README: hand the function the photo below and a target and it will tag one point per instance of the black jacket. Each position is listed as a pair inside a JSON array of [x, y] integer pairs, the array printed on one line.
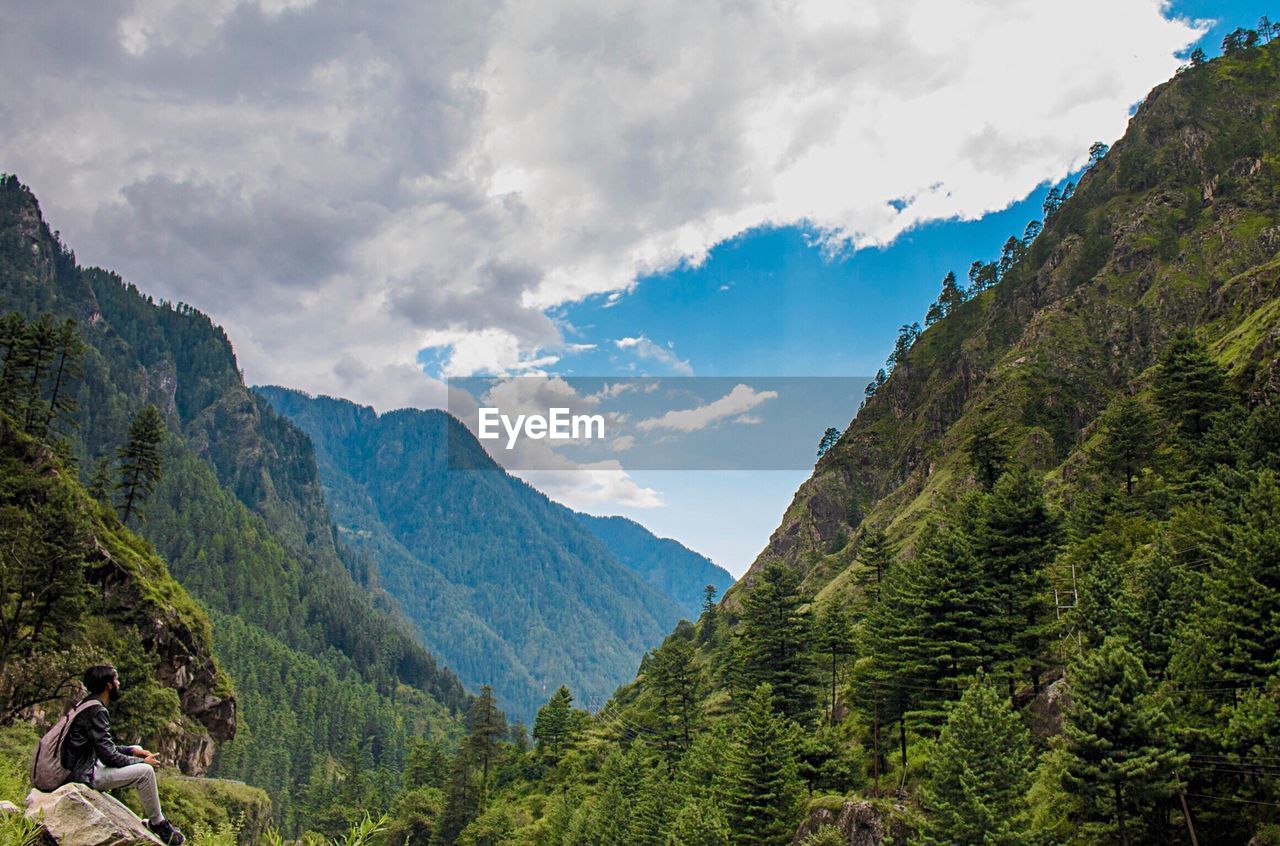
[[89, 740]]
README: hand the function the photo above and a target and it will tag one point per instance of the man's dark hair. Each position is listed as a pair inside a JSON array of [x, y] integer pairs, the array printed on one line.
[[98, 677]]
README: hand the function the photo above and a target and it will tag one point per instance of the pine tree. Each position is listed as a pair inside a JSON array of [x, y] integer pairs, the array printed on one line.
[[488, 727], [141, 461], [100, 484], [763, 791], [699, 822], [462, 800], [66, 369], [928, 632], [1120, 759], [554, 723], [833, 632], [1241, 611], [987, 452], [980, 775], [1128, 440], [1190, 385], [674, 679], [876, 556], [773, 630], [1016, 541]]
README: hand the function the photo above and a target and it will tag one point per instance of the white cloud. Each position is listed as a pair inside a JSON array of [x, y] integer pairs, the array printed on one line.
[[740, 399], [645, 348], [342, 187]]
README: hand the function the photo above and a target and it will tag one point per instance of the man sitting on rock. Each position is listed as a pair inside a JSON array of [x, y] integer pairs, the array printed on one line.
[[93, 758]]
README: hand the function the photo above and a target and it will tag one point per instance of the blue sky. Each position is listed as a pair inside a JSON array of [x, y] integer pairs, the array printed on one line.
[[770, 302], [367, 202]]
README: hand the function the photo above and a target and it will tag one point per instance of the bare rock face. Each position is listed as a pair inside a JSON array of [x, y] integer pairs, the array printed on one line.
[[75, 815], [861, 823]]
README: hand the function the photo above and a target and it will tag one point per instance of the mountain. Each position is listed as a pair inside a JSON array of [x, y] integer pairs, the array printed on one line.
[[1175, 227], [322, 672], [667, 564], [507, 586], [1033, 593]]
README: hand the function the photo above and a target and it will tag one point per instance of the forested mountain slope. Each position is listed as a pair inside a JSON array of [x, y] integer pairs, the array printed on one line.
[[240, 518], [665, 563], [505, 584], [1177, 226], [1033, 595]]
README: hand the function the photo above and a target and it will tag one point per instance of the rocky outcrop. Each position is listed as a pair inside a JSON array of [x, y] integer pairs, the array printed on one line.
[[75, 815], [861, 823]]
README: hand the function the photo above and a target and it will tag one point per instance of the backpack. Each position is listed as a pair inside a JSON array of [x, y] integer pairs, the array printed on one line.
[[47, 771]]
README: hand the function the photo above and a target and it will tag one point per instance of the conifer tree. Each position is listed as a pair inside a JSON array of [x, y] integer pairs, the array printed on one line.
[[773, 631], [763, 790], [1120, 758], [699, 821], [1016, 540], [833, 631], [488, 727], [462, 800], [988, 453], [876, 556], [673, 677], [554, 723], [1129, 440], [100, 484], [140, 461], [981, 767], [1190, 385]]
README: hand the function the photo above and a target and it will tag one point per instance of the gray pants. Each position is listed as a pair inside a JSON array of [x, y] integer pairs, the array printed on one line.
[[140, 776]]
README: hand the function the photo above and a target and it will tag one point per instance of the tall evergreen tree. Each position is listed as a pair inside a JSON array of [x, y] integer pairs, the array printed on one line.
[[773, 630], [699, 821], [554, 723], [833, 632], [981, 766], [1128, 440], [875, 554], [140, 461], [763, 791], [988, 452], [487, 728], [1016, 540], [1120, 758], [1190, 385], [674, 679]]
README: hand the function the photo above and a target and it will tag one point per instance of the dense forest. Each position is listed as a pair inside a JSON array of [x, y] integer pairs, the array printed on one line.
[[509, 587], [143, 404], [1030, 595]]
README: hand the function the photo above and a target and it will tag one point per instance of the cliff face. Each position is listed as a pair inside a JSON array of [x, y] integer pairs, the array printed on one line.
[[1177, 226], [135, 611]]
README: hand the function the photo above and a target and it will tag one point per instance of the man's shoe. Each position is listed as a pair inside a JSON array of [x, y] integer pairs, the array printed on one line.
[[167, 833]]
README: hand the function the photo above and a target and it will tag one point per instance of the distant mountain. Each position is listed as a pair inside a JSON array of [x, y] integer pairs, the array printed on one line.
[[667, 564], [239, 518], [508, 587]]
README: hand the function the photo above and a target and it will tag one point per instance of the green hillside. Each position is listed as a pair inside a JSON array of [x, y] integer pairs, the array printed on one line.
[[240, 519], [503, 583], [1033, 595], [665, 563]]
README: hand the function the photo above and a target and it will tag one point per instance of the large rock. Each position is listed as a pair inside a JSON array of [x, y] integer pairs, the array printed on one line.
[[75, 815], [860, 822]]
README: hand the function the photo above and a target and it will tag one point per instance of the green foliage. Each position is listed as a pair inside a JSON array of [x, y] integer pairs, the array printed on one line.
[[699, 821], [1120, 761], [762, 790], [1190, 385], [773, 628], [980, 773], [140, 462]]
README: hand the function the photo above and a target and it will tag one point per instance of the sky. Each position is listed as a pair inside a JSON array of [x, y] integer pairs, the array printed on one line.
[[374, 197]]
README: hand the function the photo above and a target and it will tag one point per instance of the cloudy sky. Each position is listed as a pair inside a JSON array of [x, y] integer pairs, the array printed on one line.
[[372, 196]]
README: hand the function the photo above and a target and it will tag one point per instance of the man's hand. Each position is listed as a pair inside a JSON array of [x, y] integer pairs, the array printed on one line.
[[147, 757]]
